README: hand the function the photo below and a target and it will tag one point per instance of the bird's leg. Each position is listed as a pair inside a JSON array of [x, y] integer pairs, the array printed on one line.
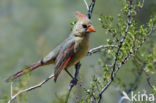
[[69, 74], [75, 79]]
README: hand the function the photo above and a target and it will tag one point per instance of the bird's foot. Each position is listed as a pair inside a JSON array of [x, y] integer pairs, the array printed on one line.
[[73, 82]]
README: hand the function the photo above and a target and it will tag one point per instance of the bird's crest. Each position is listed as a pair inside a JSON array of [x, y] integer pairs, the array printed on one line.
[[79, 15]]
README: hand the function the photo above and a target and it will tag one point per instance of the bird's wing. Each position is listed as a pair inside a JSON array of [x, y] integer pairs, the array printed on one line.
[[50, 58], [64, 57]]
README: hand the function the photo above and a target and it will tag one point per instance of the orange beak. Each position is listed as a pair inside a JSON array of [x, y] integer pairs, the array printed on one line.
[[90, 29]]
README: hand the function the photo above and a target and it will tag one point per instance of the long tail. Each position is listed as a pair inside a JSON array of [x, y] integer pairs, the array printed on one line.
[[24, 71]]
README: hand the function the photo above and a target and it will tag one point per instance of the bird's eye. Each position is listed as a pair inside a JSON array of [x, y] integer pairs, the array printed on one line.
[[84, 26]]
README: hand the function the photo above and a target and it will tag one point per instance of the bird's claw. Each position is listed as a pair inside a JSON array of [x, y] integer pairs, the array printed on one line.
[[73, 82]]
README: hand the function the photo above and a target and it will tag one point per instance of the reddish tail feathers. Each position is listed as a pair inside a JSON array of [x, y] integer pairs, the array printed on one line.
[[24, 71]]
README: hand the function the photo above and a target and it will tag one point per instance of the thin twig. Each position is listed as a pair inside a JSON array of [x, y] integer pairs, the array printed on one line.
[[91, 9], [30, 88], [140, 72], [123, 39], [74, 81], [78, 65], [118, 50], [148, 78], [139, 62], [11, 90], [86, 4], [131, 53], [100, 48], [111, 80]]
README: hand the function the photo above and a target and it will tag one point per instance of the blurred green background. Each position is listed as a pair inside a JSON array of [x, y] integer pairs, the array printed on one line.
[[29, 29]]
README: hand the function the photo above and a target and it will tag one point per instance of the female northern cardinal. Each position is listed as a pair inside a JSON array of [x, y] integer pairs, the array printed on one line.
[[69, 52]]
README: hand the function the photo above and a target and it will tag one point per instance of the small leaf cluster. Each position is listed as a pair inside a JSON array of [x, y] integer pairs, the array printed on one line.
[[129, 36]]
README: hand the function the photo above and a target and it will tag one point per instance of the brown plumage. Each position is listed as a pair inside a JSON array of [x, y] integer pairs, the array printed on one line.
[[69, 52]]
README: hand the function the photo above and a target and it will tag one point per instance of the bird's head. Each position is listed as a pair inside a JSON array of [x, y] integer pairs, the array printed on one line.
[[83, 26]]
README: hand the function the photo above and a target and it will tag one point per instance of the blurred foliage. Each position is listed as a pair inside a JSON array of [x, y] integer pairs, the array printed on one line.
[[29, 29]]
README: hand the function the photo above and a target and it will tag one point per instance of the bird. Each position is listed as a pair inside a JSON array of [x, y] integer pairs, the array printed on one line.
[[67, 53]]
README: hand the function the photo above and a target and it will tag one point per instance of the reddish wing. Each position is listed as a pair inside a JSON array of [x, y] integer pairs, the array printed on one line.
[[63, 59]]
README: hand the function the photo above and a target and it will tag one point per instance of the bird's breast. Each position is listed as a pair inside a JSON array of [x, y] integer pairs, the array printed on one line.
[[81, 49]]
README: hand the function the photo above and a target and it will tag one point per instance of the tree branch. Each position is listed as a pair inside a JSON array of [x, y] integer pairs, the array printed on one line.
[[78, 65], [86, 4], [90, 10], [91, 7], [29, 89], [99, 49], [131, 53], [148, 78], [118, 50], [123, 39], [74, 81]]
